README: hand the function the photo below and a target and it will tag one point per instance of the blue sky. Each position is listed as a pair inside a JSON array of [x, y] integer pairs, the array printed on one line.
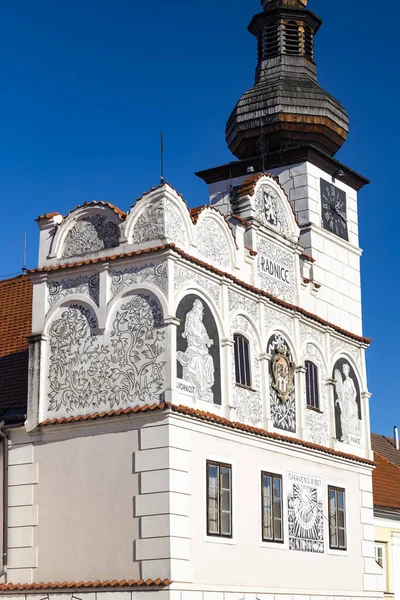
[[87, 85]]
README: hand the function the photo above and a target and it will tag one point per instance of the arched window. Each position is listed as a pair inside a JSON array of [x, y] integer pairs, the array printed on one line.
[[292, 38], [242, 361], [308, 42], [312, 390]]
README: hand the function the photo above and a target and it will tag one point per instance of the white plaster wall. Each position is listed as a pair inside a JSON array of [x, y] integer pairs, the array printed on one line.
[[85, 497], [245, 560]]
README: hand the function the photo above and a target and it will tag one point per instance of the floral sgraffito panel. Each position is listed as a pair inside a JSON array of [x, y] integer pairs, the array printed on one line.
[[125, 367], [91, 234]]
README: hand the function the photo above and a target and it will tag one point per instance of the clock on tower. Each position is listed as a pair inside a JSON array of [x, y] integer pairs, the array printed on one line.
[[333, 209]]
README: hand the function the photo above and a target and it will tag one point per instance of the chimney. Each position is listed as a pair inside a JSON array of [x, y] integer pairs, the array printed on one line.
[[396, 437]]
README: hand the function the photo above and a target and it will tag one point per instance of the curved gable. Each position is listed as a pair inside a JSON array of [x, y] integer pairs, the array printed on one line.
[[159, 216], [272, 207], [89, 228], [214, 239]]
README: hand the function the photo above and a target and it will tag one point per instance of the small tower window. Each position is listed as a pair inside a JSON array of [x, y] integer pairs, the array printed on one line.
[[308, 42], [292, 38], [312, 390], [242, 361]]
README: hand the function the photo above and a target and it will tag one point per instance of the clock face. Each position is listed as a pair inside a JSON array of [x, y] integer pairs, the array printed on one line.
[[333, 207]]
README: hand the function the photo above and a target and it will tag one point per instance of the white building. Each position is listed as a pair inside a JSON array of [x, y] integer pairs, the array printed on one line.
[[198, 423]]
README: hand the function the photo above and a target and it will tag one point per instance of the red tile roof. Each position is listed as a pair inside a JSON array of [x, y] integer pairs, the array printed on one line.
[[201, 263], [125, 583], [122, 215], [15, 326], [386, 484], [384, 446], [210, 418]]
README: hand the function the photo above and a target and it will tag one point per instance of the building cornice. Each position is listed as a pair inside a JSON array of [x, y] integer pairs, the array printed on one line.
[[290, 156], [282, 303], [213, 419]]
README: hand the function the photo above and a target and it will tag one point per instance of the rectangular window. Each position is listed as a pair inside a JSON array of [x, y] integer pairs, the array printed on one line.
[[272, 516], [337, 518], [380, 557], [219, 499], [312, 391], [242, 361]]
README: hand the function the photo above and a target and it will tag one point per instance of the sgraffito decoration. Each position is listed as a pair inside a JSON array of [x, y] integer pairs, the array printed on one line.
[[91, 234], [316, 421], [247, 402], [244, 303], [184, 276], [147, 273], [198, 355], [282, 385], [160, 220], [347, 403], [275, 266], [123, 368], [212, 244], [269, 209], [305, 513], [85, 285]]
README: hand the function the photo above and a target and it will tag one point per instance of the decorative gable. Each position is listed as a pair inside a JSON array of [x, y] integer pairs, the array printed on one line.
[[214, 240], [91, 234], [160, 216]]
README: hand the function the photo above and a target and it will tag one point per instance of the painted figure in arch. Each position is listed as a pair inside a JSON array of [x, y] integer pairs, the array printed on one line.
[[347, 402], [197, 363]]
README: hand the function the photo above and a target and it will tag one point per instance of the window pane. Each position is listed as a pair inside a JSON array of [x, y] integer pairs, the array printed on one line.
[[226, 478], [278, 529], [342, 538], [226, 523], [226, 500]]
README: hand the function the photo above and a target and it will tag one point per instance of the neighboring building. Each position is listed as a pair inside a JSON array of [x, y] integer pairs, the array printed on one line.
[[386, 486], [197, 419]]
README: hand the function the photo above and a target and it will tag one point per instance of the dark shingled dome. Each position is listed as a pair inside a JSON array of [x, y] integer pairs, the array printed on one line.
[[286, 106]]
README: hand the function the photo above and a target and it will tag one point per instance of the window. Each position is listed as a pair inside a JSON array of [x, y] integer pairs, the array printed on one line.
[[312, 391], [337, 518], [242, 361], [271, 498], [380, 557], [292, 38], [219, 499]]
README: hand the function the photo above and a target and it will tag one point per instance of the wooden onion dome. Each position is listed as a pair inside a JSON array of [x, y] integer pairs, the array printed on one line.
[[286, 104]]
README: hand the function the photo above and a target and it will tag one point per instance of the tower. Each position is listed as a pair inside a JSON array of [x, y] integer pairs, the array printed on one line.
[[288, 126]]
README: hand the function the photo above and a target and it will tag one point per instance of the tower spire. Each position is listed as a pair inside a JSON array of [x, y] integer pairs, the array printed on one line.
[[286, 100]]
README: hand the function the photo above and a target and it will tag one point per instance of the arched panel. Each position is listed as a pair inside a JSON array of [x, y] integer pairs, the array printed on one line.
[[247, 399], [316, 421], [282, 384], [121, 368], [347, 398], [198, 349]]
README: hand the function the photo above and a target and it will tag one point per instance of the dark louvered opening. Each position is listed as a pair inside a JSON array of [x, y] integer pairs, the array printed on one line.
[[292, 38], [308, 43], [271, 40]]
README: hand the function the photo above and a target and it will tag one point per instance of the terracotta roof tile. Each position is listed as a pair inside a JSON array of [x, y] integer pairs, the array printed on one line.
[[160, 185], [210, 418], [48, 216], [384, 446], [125, 583], [247, 286], [122, 215], [386, 483], [111, 413], [15, 326]]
